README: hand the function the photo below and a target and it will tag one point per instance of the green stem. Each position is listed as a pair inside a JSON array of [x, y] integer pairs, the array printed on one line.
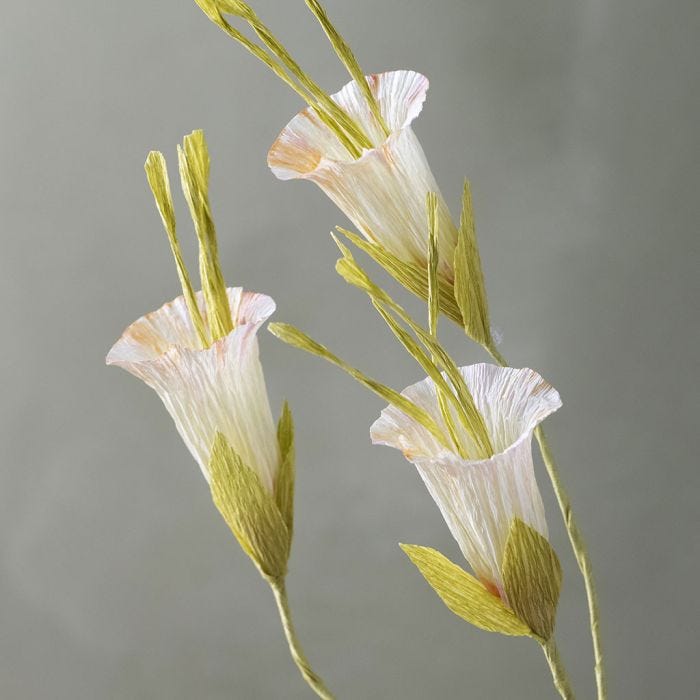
[[314, 681], [577, 544], [561, 680], [582, 559]]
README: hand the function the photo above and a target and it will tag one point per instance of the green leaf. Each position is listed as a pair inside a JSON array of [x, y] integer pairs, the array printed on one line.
[[347, 58], [284, 483], [532, 577], [469, 286], [434, 313], [410, 276], [467, 411], [249, 510], [158, 181], [194, 162], [278, 59], [433, 287], [463, 594], [298, 339]]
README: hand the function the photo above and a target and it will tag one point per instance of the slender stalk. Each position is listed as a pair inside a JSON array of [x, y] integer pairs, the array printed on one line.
[[582, 559], [578, 546], [314, 681], [561, 680]]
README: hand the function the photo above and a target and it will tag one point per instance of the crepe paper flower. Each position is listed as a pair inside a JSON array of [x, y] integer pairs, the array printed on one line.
[[219, 389], [480, 498], [532, 577], [382, 192], [510, 402], [491, 505], [200, 354], [359, 147]]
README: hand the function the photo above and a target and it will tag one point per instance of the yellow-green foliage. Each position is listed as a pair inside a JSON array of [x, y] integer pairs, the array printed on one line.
[[532, 578], [464, 595], [249, 510], [278, 59]]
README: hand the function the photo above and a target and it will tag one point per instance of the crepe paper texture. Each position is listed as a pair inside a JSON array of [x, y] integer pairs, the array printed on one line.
[[275, 56], [193, 160], [261, 521], [200, 354], [480, 498], [359, 147], [382, 191], [469, 286], [429, 354], [157, 175], [250, 510], [284, 483], [219, 389], [583, 561], [298, 339], [469, 599], [433, 315], [347, 58], [464, 595], [532, 578]]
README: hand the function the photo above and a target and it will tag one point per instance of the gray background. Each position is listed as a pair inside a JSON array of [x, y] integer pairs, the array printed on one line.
[[577, 123]]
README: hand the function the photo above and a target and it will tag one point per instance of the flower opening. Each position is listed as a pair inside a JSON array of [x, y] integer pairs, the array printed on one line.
[[220, 388], [383, 191], [200, 351], [480, 498]]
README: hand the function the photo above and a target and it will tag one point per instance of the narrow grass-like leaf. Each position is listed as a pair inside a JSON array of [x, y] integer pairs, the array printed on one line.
[[469, 286], [410, 276], [464, 595], [193, 158], [293, 336], [532, 577], [433, 260], [434, 311], [431, 370], [214, 8], [284, 481], [472, 420], [159, 182], [347, 58], [348, 131]]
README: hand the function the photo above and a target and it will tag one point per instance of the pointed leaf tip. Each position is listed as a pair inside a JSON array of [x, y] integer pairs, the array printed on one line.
[[463, 594], [249, 510], [532, 577], [284, 481], [469, 284]]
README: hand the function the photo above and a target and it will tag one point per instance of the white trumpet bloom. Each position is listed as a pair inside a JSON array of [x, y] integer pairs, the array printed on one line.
[[383, 192], [208, 390], [480, 498]]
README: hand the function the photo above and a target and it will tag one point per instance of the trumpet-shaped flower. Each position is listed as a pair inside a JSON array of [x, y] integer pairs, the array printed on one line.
[[480, 498], [383, 191], [208, 390]]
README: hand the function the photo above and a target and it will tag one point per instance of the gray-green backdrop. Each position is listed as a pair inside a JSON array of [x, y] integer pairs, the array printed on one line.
[[577, 124]]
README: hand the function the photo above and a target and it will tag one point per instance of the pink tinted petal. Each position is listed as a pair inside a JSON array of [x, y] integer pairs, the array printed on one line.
[[217, 389], [384, 191], [480, 498]]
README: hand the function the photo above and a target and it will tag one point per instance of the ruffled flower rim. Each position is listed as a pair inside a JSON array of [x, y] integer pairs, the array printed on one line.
[[546, 393], [144, 343], [398, 113]]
